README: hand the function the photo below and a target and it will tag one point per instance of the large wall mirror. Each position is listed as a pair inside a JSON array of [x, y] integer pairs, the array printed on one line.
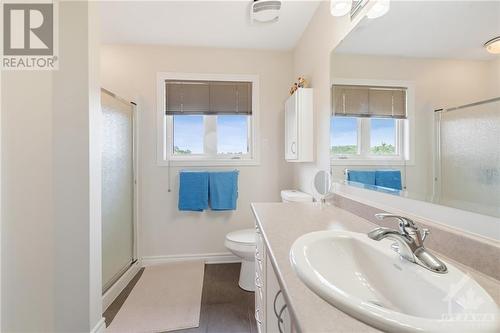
[[416, 110]]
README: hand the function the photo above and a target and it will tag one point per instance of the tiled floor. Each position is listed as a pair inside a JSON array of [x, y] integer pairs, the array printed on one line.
[[225, 307]]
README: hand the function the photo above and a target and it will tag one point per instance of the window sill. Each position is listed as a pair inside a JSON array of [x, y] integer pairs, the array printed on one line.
[[207, 163], [381, 162]]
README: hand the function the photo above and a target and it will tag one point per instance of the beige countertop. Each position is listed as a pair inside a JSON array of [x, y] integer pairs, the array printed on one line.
[[281, 224]]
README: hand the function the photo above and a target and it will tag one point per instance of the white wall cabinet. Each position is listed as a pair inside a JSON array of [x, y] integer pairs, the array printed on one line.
[[271, 310], [299, 138]]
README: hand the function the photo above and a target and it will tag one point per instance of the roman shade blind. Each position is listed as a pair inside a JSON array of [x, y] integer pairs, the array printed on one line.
[[208, 97], [369, 101]]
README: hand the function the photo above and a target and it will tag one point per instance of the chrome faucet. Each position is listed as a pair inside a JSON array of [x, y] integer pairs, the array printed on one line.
[[409, 242]]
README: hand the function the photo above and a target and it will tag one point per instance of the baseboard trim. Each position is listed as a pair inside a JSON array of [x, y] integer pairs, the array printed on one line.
[[208, 258], [100, 327], [112, 293]]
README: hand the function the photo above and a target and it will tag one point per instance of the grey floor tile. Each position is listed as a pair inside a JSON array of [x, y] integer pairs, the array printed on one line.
[[225, 307]]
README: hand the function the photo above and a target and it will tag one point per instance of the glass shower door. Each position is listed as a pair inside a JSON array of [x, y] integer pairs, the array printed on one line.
[[117, 187], [469, 158]]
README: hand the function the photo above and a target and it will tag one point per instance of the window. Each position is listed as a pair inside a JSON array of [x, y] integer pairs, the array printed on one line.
[[207, 119], [188, 135], [368, 124], [232, 135]]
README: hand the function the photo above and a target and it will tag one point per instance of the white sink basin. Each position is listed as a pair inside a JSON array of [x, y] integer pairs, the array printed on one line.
[[369, 281]]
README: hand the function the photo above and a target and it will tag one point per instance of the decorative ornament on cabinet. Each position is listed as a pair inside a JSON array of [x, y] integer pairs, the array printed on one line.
[[301, 83]]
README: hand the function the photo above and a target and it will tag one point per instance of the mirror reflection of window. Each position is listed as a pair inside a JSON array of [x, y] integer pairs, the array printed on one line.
[[383, 136], [344, 136], [367, 123]]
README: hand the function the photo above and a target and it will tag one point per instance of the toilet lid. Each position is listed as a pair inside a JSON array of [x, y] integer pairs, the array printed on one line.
[[246, 236]]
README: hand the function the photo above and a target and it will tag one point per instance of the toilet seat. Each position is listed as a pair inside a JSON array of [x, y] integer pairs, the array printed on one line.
[[242, 237]]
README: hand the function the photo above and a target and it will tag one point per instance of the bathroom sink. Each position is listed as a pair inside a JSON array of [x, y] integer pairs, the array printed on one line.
[[369, 281]]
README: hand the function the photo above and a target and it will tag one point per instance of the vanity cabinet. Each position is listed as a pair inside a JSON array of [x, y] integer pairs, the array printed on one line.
[[299, 138], [271, 310]]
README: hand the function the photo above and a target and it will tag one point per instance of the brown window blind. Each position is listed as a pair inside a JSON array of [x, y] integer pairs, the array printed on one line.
[[208, 97], [369, 101]]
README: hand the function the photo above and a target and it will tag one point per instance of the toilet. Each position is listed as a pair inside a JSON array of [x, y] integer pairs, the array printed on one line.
[[295, 196], [242, 243]]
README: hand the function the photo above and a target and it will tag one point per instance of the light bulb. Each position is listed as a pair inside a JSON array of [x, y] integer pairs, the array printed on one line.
[[340, 7], [493, 45], [380, 8]]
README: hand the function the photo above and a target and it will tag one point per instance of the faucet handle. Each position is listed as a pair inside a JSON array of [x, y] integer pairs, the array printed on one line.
[[424, 232], [404, 222]]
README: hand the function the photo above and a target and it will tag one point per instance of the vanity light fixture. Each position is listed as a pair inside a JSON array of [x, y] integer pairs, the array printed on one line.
[[340, 7], [493, 45], [380, 8]]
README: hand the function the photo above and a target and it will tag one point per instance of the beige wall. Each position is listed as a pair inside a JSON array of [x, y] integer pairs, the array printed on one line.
[[439, 83], [27, 225], [495, 76], [130, 71], [50, 257], [311, 58]]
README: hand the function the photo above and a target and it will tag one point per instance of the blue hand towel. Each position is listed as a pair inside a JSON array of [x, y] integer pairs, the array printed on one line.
[[361, 176], [193, 190], [388, 178], [223, 190]]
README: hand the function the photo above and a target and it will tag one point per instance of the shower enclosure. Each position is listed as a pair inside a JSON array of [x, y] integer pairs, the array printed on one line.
[[118, 187], [467, 157]]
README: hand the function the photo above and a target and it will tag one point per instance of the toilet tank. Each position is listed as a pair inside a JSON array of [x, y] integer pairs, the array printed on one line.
[[295, 196]]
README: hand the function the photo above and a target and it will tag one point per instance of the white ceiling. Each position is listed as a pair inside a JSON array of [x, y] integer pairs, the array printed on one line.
[[202, 23], [429, 29]]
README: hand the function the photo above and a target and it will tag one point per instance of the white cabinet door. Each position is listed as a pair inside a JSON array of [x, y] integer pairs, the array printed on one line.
[[277, 316], [271, 311], [291, 128], [260, 286], [299, 131]]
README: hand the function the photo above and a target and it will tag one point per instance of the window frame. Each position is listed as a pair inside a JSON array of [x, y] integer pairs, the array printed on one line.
[[165, 155], [405, 130]]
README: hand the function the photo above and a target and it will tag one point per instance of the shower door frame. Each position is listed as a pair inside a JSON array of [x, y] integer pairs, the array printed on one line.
[[436, 183], [438, 113], [135, 205]]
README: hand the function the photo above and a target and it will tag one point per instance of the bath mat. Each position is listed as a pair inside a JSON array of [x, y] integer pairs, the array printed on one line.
[[167, 297]]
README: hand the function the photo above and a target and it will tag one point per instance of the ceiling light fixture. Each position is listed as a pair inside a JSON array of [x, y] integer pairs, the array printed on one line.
[[380, 8], [340, 7], [493, 45]]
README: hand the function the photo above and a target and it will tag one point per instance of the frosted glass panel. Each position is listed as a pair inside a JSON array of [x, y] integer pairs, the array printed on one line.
[[470, 158], [117, 188]]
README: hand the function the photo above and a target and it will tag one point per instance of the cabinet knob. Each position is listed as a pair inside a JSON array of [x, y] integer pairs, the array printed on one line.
[[257, 256], [292, 148], [257, 282], [257, 316]]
